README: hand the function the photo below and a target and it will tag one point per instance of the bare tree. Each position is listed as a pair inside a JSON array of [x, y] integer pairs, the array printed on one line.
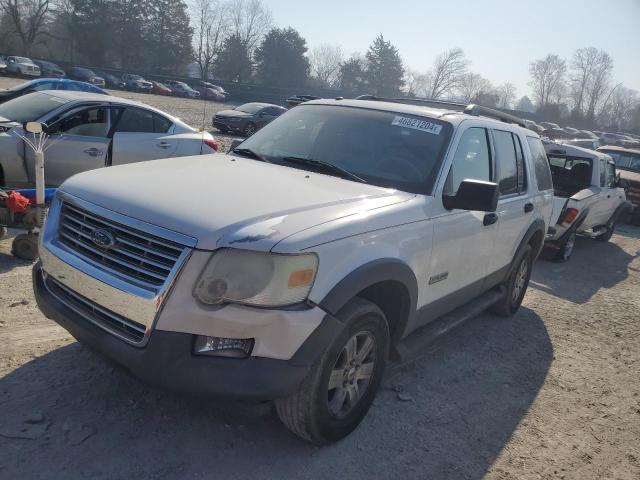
[[599, 81], [547, 76], [28, 18], [325, 63], [506, 95], [582, 64], [471, 85], [448, 72], [617, 112], [250, 20], [212, 25], [417, 84]]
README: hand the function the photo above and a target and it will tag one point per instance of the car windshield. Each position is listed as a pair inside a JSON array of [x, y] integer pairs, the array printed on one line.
[[626, 161], [23, 60], [382, 148], [29, 107], [250, 108]]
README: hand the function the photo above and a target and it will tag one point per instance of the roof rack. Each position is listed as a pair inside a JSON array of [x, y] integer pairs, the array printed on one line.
[[471, 109]]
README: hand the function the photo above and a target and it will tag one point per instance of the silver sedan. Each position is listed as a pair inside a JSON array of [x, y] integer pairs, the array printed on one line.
[[90, 131]]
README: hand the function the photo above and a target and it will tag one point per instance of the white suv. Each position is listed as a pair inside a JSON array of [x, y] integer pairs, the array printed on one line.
[[294, 267]]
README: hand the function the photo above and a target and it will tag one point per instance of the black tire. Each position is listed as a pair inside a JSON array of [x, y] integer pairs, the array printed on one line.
[[223, 129], [606, 236], [249, 129], [25, 246], [519, 279], [313, 412], [565, 249]]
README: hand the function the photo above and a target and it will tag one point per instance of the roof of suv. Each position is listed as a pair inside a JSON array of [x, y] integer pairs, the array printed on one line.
[[614, 148], [451, 115]]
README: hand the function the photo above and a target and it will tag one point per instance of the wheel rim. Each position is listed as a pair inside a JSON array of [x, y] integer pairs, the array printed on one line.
[[568, 248], [351, 374], [520, 280]]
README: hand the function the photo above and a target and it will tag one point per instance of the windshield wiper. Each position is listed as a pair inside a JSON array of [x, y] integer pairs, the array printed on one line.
[[247, 152], [326, 167]]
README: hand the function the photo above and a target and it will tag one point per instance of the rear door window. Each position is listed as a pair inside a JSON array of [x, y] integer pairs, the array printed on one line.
[[509, 163], [137, 120]]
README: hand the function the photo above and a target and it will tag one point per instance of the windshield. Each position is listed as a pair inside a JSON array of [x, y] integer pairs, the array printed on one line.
[[29, 108], [23, 60], [250, 108], [383, 148], [626, 161]]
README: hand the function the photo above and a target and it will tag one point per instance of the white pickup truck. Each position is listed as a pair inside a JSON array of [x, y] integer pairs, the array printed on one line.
[[291, 269], [587, 199]]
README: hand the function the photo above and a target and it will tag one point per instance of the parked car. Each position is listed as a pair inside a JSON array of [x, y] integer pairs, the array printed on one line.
[[573, 132], [181, 89], [136, 83], [48, 84], [531, 125], [247, 118], [110, 80], [49, 69], [90, 131], [209, 91], [160, 89], [554, 133], [295, 100], [611, 139], [627, 162], [587, 198], [322, 245], [549, 125], [588, 134], [22, 66], [590, 143], [86, 75]]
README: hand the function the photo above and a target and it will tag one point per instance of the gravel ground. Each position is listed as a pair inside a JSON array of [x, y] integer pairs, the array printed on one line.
[[197, 113], [551, 393]]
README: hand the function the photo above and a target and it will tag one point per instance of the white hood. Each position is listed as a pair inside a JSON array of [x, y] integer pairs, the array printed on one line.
[[228, 201]]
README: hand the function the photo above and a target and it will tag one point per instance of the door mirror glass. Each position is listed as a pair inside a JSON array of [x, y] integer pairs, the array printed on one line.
[[473, 195], [34, 127]]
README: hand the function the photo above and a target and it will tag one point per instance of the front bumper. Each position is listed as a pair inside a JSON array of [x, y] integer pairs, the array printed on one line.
[[167, 359]]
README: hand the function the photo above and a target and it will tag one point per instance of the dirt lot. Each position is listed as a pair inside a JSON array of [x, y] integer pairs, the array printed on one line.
[[550, 393]]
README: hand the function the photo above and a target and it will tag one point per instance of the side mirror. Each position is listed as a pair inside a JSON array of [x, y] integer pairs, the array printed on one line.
[[473, 195], [235, 143], [34, 127]]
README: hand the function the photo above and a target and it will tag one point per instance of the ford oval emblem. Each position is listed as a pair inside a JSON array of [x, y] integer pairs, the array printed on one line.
[[103, 238]]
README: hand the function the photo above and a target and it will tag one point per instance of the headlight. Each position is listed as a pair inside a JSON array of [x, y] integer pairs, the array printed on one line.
[[256, 278]]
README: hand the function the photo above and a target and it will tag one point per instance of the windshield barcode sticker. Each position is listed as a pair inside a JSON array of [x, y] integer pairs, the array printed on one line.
[[417, 124]]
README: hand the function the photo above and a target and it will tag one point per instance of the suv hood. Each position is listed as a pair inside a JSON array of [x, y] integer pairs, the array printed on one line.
[[222, 200]]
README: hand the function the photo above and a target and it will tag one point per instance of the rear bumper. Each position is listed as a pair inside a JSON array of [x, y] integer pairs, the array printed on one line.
[[167, 359]]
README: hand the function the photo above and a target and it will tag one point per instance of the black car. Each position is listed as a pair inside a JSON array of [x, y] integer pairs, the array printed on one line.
[[85, 75], [247, 118], [110, 80], [295, 100], [49, 69]]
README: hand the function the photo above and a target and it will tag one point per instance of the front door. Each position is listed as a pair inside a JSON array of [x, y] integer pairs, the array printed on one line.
[[463, 239], [79, 142]]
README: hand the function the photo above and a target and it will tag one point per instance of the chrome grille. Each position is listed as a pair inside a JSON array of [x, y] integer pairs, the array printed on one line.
[[116, 324], [139, 257]]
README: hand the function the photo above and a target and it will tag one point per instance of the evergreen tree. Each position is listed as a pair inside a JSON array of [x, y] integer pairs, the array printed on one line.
[[280, 58], [234, 62], [168, 35], [353, 76], [385, 73]]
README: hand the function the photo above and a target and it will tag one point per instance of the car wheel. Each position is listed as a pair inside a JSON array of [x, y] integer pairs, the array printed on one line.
[[516, 285], [566, 248], [249, 129], [223, 129], [338, 391], [606, 236], [25, 246]]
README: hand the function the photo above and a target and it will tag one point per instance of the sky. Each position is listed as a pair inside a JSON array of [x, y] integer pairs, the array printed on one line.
[[500, 37]]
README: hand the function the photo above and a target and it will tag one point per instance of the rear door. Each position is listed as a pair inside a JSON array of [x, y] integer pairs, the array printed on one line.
[[515, 208], [79, 142], [141, 135]]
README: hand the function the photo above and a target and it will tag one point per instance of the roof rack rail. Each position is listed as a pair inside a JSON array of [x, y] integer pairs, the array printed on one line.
[[472, 109]]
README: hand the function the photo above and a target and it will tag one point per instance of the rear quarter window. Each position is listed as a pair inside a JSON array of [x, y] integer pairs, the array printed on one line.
[[540, 164]]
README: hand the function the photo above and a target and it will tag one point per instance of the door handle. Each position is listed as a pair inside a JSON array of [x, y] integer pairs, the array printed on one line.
[[490, 219], [164, 144], [528, 207], [94, 152]]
